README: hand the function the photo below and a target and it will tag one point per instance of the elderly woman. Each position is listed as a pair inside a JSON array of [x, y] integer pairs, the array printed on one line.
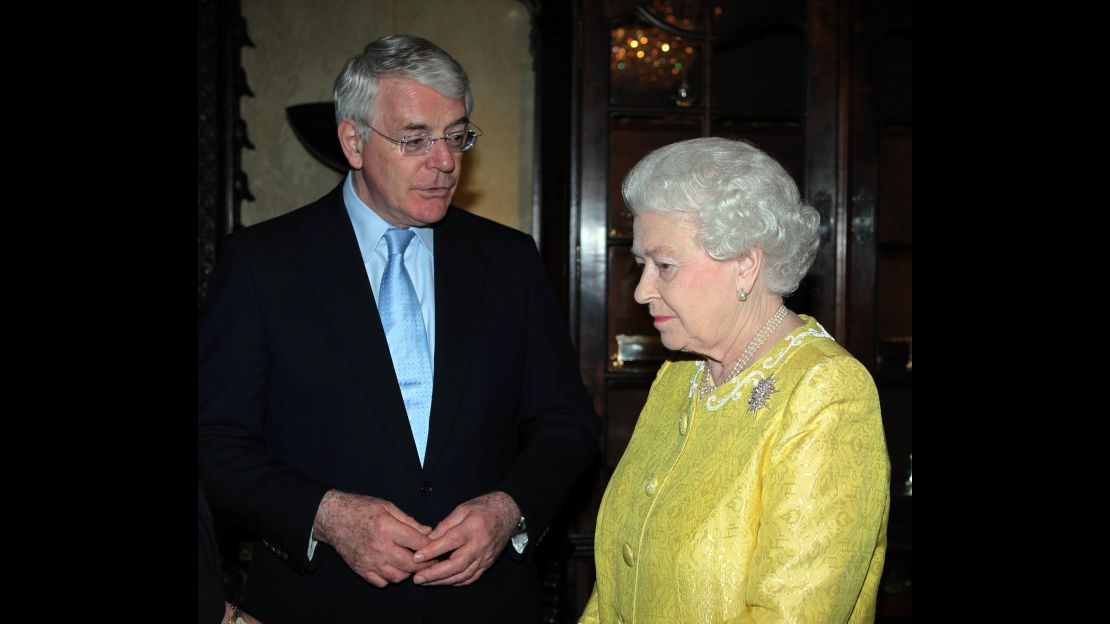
[[755, 487]]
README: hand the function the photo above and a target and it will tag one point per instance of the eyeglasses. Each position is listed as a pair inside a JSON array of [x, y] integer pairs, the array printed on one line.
[[460, 141]]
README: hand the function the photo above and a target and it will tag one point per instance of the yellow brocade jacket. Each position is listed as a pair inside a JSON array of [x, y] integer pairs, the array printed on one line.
[[766, 501]]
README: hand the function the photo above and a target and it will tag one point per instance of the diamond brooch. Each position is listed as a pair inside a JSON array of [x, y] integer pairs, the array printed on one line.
[[761, 393]]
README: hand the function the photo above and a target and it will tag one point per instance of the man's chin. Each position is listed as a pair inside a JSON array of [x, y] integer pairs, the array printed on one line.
[[431, 212]]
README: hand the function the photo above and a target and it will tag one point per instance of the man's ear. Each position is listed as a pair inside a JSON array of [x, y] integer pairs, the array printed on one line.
[[350, 139]]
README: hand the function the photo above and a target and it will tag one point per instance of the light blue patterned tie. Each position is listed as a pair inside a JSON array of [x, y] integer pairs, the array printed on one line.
[[408, 341]]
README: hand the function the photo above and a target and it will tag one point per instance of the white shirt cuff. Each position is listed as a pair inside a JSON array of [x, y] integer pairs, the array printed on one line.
[[519, 542], [311, 545]]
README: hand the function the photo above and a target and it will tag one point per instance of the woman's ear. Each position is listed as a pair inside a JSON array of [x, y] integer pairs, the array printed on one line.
[[749, 265]]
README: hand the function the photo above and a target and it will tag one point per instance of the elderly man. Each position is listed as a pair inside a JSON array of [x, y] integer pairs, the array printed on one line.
[[389, 400]]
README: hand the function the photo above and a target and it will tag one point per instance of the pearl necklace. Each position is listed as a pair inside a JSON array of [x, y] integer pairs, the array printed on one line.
[[745, 359]]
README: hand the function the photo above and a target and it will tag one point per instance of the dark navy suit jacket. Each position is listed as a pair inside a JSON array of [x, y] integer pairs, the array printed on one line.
[[297, 395]]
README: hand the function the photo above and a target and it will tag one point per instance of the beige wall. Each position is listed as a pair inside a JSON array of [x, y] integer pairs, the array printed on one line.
[[301, 46]]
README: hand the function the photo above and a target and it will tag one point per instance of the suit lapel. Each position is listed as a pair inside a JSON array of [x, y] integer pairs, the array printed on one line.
[[334, 267], [460, 272]]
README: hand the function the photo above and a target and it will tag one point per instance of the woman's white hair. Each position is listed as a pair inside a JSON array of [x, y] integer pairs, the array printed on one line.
[[740, 197]]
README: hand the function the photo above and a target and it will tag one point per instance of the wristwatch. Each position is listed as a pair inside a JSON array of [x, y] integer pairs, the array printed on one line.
[[236, 615]]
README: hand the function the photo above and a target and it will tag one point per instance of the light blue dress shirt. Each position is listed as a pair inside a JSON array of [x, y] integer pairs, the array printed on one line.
[[420, 263], [419, 259]]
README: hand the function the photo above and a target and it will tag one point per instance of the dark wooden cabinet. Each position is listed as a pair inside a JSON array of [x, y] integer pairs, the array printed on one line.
[[824, 86]]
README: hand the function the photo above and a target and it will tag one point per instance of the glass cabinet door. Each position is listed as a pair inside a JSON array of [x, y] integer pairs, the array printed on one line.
[[680, 70]]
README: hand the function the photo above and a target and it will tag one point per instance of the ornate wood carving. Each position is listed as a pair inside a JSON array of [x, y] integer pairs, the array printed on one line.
[[221, 134]]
